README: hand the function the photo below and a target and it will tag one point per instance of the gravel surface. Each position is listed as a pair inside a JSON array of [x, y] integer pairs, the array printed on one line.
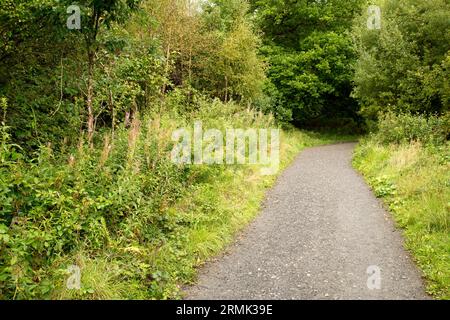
[[319, 231]]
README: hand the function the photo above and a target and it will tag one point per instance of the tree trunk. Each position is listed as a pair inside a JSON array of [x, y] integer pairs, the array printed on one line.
[[90, 95], [226, 89], [166, 71], [91, 50]]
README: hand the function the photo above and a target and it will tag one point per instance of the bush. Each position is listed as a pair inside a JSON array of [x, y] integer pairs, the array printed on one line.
[[104, 202], [342, 125], [92, 199], [400, 128], [404, 66], [413, 181]]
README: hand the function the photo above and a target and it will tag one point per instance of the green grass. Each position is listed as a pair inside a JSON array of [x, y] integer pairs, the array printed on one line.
[[136, 224], [234, 200], [414, 182], [207, 219]]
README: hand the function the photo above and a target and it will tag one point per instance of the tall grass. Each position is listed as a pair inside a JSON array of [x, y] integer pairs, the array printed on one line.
[[135, 223], [412, 175]]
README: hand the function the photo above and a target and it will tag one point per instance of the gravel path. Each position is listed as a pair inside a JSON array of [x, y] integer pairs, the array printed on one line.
[[320, 230]]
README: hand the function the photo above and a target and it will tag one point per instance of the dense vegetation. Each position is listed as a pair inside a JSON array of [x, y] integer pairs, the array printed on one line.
[[86, 118], [404, 66], [402, 84], [407, 164], [310, 53]]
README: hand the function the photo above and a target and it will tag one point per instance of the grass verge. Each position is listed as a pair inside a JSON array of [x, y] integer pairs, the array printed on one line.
[[225, 207], [203, 222], [414, 182]]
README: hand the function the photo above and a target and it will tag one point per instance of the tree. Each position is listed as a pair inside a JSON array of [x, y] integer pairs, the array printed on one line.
[[97, 14], [310, 54], [38, 51], [404, 67], [230, 66]]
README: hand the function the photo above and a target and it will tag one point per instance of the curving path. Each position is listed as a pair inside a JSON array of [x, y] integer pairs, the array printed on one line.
[[320, 230]]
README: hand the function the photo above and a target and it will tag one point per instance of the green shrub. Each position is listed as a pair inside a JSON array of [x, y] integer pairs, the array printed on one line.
[[343, 125], [413, 181], [110, 203], [404, 66], [90, 199], [399, 128]]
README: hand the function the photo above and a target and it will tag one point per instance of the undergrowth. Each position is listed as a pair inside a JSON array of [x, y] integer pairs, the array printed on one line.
[[134, 223], [412, 176]]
